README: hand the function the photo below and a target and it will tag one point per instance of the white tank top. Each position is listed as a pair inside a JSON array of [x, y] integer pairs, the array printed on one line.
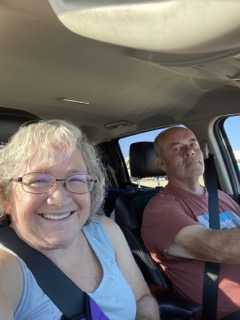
[[113, 295]]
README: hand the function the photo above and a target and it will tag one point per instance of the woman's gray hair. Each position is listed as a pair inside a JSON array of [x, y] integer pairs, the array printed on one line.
[[46, 142]]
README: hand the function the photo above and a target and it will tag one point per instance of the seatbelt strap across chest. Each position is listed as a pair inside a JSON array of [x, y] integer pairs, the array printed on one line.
[[65, 294], [211, 272]]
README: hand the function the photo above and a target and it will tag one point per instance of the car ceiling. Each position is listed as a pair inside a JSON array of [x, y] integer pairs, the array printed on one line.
[[129, 90]]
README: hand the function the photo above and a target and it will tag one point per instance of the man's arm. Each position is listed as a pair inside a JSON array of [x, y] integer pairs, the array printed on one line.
[[200, 243]]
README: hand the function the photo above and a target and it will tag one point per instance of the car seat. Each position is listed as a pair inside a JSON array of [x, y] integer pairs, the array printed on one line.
[[129, 209], [11, 120]]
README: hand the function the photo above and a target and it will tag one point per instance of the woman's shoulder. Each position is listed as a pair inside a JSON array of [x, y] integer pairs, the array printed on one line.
[[102, 222], [11, 278], [108, 222], [107, 227], [9, 263], [110, 226]]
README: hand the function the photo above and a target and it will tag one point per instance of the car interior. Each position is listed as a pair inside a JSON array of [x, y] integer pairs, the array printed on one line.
[[122, 69]]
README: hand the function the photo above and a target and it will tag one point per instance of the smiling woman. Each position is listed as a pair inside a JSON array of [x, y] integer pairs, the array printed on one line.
[[52, 192], [58, 139], [119, 70]]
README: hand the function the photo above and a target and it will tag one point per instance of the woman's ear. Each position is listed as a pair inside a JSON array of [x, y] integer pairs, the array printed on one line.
[[161, 164], [7, 206], [6, 203]]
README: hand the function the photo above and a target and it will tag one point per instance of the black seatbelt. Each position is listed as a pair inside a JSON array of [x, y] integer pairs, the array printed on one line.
[[211, 272], [64, 293]]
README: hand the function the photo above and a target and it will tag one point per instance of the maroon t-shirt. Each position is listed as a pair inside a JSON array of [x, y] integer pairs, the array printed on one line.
[[165, 215]]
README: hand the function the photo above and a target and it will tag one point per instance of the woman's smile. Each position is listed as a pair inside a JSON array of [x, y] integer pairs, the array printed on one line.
[[57, 217]]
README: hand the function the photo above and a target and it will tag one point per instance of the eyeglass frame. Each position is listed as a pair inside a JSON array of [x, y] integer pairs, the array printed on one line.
[[64, 182]]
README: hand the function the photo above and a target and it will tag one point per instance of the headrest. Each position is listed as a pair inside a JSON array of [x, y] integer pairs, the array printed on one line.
[[143, 161], [11, 120]]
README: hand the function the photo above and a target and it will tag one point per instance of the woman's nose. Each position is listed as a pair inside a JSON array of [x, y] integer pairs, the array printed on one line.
[[58, 195]]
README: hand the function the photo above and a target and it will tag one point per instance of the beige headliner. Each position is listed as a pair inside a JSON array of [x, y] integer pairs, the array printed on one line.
[[42, 61]]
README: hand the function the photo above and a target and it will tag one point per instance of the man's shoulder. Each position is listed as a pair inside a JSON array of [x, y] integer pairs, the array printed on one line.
[[165, 196], [223, 196]]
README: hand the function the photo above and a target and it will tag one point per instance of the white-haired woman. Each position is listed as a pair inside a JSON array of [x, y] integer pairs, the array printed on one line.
[[52, 185]]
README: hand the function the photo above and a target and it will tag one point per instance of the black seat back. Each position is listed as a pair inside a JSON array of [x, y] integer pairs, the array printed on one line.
[[129, 208], [11, 120], [128, 215]]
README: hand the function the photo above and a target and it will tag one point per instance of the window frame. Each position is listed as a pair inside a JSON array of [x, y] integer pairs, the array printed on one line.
[[227, 154]]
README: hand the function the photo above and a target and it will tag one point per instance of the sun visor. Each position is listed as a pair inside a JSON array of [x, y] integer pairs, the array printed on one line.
[[185, 27]]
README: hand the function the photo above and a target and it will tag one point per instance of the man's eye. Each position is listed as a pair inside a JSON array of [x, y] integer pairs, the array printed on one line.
[[195, 145], [177, 149]]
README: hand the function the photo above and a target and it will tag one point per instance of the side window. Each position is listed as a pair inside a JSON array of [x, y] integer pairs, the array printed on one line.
[[125, 146], [231, 130]]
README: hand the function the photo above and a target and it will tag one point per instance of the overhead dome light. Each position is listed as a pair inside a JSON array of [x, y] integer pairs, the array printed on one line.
[[73, 101], [119, 124], [175, 26]]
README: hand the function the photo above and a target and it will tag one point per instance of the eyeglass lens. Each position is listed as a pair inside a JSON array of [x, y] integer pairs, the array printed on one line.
[[40, 182]]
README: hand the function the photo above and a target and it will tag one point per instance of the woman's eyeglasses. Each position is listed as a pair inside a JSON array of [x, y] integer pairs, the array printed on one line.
[[36, 182]]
